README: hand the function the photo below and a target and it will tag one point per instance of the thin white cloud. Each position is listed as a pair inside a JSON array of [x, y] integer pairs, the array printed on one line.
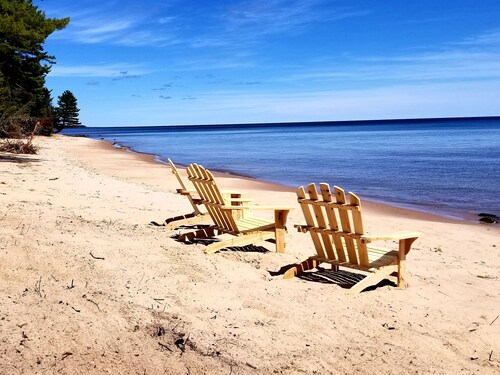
[[489, 38], [112, 22], [239, 25], [245, 23], [456, 62], [274, 16], [114, 71], [440, 67]]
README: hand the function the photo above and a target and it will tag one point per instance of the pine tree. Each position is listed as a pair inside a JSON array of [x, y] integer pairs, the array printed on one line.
[[66, 111], [23, 62]]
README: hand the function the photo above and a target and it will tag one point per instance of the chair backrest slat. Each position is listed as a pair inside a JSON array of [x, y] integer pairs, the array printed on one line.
[[319, 214], [358, 229], [333, 221], [346, 225], [308, 216]]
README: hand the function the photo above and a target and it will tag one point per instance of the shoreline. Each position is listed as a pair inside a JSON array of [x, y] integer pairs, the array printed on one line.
[[378, 205]]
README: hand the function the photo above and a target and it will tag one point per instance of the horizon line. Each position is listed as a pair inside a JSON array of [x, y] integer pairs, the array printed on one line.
[[314, 123]]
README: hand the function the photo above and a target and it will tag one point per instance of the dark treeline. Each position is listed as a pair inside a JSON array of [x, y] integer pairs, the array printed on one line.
[[24, 99]]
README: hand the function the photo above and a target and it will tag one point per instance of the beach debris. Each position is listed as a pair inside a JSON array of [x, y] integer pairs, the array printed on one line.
[[159, 331], [486, 277], [181, 343], [91, 301], [24, 339], [488, 218], [38, 287], [251, 366], [385, 325], [494, 320], [65, 355], [19, 146], [162, 345], [93, 256]]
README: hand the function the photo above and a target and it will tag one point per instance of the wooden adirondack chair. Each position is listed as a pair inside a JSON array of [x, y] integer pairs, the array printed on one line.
[[247, 229], [195, 217], [336, 229]]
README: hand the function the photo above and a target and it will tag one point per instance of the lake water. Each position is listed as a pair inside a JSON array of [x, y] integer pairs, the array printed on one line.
[[449, 167]]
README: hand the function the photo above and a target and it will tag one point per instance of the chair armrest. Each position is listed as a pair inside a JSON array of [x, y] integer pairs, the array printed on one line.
[[403, 235], [241, 199], [268, 208], [185, 192]]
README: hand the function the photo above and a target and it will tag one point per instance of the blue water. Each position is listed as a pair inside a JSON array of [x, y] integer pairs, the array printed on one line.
[[449, 167]]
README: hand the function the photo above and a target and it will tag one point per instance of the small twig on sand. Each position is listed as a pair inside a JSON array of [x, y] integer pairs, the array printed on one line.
[[165, 346], [65, 355], [491, 355], [38, 287], [95, 303], [494, 320], [173, 329], [75, 309], [93, 256], [251, 366]]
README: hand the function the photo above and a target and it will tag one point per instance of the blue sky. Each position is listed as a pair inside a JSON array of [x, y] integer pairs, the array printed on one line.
[[171, 62]]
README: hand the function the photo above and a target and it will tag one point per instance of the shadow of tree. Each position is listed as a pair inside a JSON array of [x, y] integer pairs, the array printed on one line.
[[15, 158]]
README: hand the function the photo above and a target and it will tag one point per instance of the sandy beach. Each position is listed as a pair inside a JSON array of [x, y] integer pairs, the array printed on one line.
[[89, 285]]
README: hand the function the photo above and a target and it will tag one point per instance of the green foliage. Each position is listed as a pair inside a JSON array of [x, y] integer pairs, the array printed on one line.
[[66, 111], [23, 61]]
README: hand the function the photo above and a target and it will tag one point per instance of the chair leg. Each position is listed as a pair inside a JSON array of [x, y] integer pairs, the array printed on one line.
[[404, 248], [372, 279], [245, 239], [280, 229], [298, 268]]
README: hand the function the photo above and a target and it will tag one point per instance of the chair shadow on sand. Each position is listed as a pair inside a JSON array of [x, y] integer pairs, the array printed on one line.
[[342, 278], [210, 240]]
